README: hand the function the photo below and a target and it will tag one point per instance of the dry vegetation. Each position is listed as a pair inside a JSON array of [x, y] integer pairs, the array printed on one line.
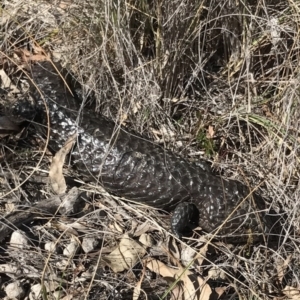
[[215, 80]]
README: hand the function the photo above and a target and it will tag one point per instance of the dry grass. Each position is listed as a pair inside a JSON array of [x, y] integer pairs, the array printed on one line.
[[217, 80]]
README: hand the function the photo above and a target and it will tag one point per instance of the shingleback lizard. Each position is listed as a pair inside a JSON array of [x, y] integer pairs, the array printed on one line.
[[128, 165]]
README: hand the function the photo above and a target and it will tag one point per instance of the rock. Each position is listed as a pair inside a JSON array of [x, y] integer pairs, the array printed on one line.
[[72, 248], [35, 292], [15, 290], [18, 240], [53, 247], [89, 244]]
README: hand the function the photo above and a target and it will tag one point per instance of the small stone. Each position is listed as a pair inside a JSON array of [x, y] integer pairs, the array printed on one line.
[[71, 249], [62, 264], [52, 247], [15, 290], [18, 240], [35, 292], [89, 244]]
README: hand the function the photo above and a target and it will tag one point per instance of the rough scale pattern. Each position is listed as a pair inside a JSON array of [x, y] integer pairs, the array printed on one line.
[[130, 166]]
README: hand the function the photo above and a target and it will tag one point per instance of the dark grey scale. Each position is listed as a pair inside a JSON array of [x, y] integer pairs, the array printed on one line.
[[130, 166]]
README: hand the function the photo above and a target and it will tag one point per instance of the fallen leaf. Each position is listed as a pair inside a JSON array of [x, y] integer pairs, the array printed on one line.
[[216, 273], [281, 267], [117, 227], [220, 290], [210, 132], [9, 207], [137, 290], [57, 178], [125, 256], [64, 4], [188, 254], [68, 297], [6, 82], [174, 250], [189, 286], [65, 228], [28, 56], [142, 228], [195, 287], [291, 292], [146, 240], [123, 118], [136, 107]]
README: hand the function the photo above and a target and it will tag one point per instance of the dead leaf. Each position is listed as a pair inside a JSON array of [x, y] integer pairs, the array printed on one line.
[[68, 297], [291, 292], [136, 291], [123, 118], [216, 273], [9, 207], [188, 254], [210, 132], [163, 134], [174, 250], [117, 227], [160, 268], [189, 285], [220, 290], [146, 240], [125, 256], [281, 267], [136, 107], [65, 228], [195, 287], [6, 83], [57, 178], [28, 56], [142, 228], [64, 4]]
